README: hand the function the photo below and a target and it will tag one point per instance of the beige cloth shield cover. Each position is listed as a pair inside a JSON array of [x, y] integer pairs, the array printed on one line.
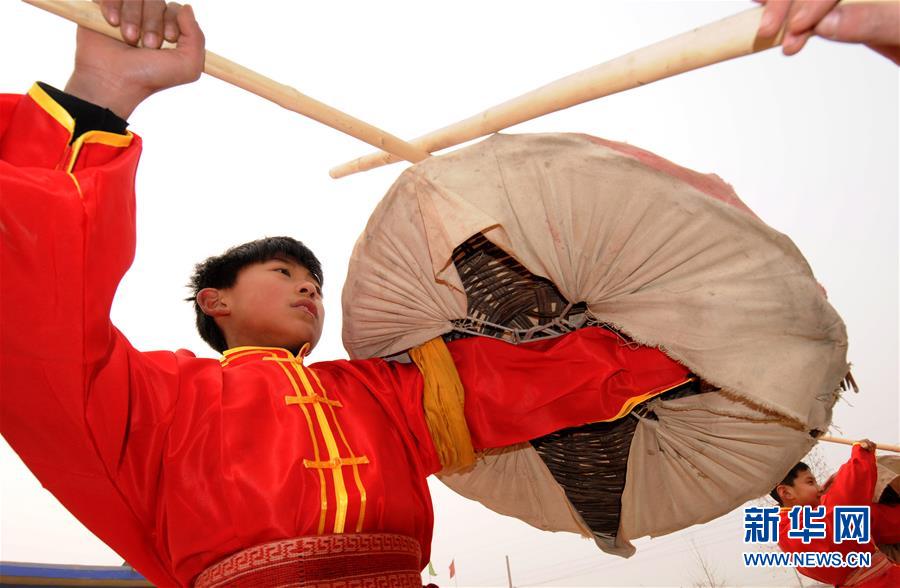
[[701, 459], [669, 256]]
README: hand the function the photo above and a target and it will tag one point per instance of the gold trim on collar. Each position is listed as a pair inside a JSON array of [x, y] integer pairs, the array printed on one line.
[[271, 353], [233, 350]]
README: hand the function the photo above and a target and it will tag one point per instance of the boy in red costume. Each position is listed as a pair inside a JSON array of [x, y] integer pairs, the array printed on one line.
[[852, 485], [176, 461]]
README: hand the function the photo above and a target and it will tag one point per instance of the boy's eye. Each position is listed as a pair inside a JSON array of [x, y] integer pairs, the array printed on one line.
[[283, 270]]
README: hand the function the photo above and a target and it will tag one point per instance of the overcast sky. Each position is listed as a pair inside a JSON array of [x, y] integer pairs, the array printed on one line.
[[810, 143]]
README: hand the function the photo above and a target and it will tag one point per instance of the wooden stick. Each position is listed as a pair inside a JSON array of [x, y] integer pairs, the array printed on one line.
[[842, 441], [726, 39], [88, 15]]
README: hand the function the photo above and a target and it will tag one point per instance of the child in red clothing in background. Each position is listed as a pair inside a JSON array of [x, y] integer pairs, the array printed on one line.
[[852, 485]]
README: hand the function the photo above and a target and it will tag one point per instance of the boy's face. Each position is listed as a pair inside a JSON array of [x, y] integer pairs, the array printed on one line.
[[804, 491], [275, 303]]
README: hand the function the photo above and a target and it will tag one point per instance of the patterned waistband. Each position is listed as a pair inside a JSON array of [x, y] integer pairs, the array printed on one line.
[[322, 561]]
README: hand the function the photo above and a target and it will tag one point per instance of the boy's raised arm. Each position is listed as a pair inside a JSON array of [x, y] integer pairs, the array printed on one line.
[[84, 410], [854, 482]]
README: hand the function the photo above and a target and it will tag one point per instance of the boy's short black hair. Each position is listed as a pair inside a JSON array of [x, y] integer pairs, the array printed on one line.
[[789, 480], [221, 271]]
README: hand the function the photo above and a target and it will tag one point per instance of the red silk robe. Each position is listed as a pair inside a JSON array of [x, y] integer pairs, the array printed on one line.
[[853, 485], [177, 461]]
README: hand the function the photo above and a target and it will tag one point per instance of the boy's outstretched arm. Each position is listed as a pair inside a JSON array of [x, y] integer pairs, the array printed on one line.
[[86, 412]]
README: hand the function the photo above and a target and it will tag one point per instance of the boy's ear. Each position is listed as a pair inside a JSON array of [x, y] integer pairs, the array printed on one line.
[[212, 302], [784, 492]]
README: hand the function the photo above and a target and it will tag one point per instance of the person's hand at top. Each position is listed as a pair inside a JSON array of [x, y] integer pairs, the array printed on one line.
[[120, 76], [875, 24]]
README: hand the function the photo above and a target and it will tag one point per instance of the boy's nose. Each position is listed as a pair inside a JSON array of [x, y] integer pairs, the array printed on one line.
[[307, 288]]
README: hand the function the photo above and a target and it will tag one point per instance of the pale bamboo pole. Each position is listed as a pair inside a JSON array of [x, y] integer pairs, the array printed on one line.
[[842, 441], [726, 39], [88, 15]]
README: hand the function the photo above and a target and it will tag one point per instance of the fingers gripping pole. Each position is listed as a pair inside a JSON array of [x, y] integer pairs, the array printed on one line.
[[88, 15]]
